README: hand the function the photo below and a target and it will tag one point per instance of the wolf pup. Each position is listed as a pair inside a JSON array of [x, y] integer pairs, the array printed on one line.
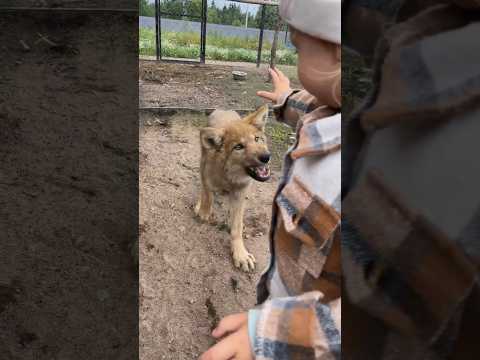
[[234, 150]]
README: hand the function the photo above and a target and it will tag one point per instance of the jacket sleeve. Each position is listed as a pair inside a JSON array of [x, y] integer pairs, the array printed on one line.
[[300, 327], [292, 105]]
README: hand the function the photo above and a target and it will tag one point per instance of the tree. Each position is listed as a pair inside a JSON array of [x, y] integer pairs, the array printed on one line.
[[194, 8], [174, 8], [213, 15], [271, 16], [146, 8], [252, 21]]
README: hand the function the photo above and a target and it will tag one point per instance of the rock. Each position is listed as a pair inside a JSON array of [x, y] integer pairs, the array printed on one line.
[[103, 295]]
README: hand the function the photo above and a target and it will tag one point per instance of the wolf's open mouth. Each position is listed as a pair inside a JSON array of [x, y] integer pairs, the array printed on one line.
[[259, 173]]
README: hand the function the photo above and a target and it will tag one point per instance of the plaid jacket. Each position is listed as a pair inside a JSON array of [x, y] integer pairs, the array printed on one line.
[[410, 229], [301, 320]]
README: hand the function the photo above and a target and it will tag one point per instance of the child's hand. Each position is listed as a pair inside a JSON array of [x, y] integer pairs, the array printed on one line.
[[236, 344], [281, 84]]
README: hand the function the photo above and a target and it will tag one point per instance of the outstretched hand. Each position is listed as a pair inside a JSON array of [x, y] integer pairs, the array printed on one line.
[[281, 84], [236, 343]]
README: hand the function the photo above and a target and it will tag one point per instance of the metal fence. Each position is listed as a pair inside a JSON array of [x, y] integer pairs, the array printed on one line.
[[226, 30], [162, 16]]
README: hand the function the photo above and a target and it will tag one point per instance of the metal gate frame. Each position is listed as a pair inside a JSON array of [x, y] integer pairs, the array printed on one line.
[[203, 33], [203, 29], [262, 3]]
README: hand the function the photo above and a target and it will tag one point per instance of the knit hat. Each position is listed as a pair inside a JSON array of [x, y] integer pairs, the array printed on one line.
[[318, 18]]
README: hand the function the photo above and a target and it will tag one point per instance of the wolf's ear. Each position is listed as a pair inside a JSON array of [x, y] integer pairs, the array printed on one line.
[[258, 118], [211, 138]]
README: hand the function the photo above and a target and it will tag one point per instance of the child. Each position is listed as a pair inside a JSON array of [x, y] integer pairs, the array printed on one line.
[[299, 295]]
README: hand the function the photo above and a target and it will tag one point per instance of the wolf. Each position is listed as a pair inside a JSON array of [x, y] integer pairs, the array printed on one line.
[[234, 151]]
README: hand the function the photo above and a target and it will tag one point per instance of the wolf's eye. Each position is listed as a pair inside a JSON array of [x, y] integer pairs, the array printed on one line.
[[238, 147], [257, 138]]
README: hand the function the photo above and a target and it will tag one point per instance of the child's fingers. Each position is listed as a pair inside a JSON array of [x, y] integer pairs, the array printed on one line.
[[267, 95], [279, 74], [282, 76], [224, 350], [274, 76], [279, 77], [229, 324]]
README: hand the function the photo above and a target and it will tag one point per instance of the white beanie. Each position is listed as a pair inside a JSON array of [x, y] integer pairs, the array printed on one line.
[[318, 18]]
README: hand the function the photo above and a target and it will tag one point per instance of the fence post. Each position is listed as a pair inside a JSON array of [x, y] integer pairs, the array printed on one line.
[[273, 52], [260, 40], [203, 32], [157, 32]]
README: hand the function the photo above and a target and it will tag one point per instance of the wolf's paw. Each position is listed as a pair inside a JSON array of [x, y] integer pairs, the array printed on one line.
[[243, 259], [203, 215], [196, 209]]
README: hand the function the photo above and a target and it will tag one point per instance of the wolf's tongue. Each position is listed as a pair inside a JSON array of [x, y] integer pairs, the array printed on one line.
[[262, 171]]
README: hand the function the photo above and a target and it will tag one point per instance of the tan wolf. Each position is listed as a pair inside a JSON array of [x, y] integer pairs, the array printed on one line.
[[234, 150]]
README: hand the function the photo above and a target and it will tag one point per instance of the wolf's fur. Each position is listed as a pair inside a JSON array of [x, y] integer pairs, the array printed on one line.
[[223, 168]]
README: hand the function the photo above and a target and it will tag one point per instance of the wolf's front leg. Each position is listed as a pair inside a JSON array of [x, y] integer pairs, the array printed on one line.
[[241, 257], [204, 204]]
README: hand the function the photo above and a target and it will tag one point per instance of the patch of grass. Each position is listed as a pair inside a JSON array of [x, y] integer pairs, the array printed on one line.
[[279, 133], [279, 141], [219, 47]]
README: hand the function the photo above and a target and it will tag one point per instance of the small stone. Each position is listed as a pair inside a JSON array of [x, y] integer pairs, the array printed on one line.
[[103, 295]]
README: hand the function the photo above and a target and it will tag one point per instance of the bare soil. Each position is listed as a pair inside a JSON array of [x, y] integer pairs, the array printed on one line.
[[187, 278], [68, 286], [204, 86]]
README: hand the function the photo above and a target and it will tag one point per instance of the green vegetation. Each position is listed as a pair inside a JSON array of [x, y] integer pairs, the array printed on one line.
[[279, 140], [227, 15], [187, 45]]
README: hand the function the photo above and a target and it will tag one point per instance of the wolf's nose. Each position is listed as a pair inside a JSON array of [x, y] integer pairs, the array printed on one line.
[[264, 158]]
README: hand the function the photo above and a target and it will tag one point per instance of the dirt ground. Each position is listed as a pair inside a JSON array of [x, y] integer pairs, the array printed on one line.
[[68, 148], [187, 279], [204, 86]]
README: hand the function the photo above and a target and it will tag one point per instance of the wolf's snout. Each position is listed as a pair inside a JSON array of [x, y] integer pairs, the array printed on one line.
[[264, 158]]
